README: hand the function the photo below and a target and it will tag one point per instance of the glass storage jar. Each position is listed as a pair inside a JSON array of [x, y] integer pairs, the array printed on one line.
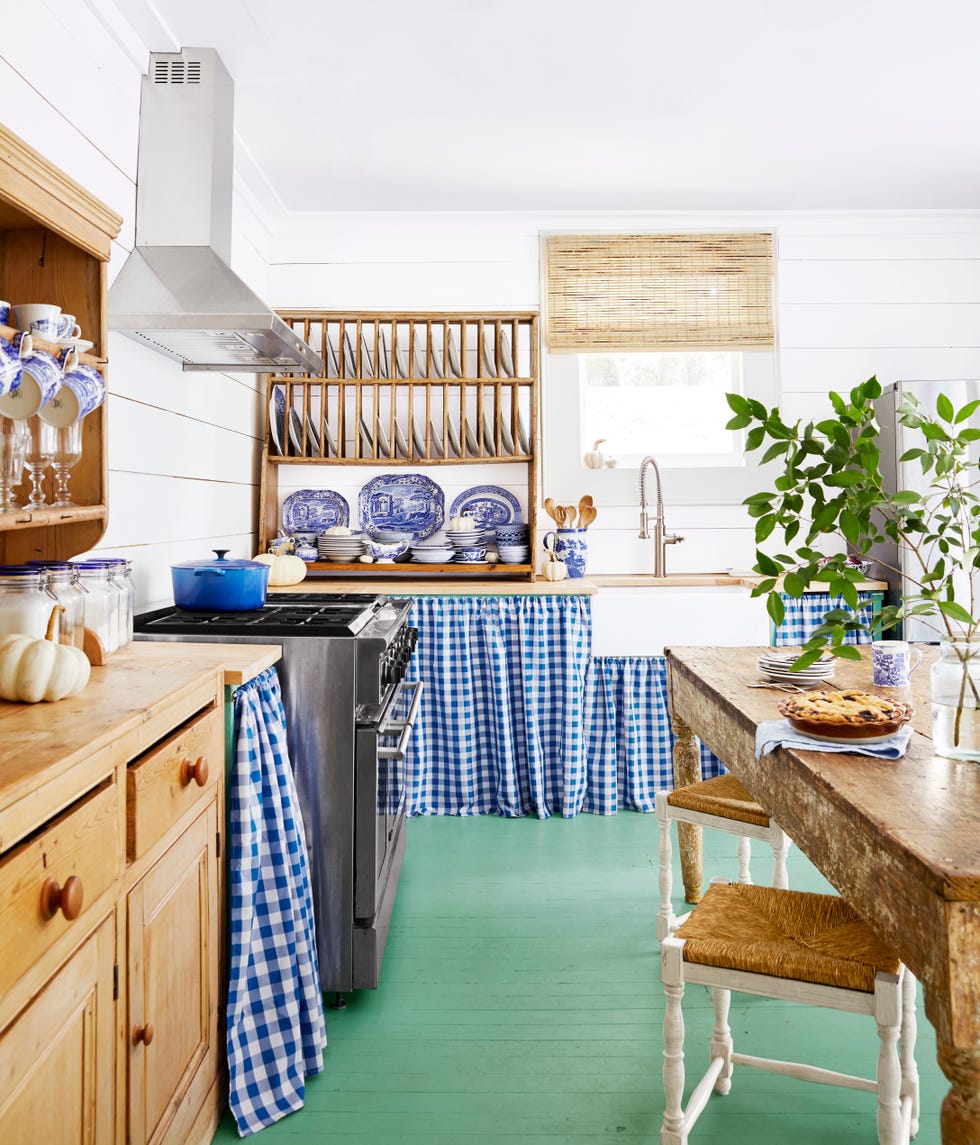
[[25, 602], [61, 580], [102, 602], [120, 577], [954, 688]]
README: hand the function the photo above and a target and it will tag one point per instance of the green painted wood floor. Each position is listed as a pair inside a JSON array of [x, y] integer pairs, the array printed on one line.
[[520, 1005]]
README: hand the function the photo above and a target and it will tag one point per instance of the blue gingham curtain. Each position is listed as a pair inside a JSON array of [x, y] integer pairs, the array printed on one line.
[[630, 742], [805, 613], [501, 728], [275, 1025]]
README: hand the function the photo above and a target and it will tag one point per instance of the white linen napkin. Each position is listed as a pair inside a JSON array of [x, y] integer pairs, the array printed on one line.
[[771, 733]]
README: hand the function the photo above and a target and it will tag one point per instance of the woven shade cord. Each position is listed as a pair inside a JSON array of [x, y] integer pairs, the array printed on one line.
[[785, 934], [723, 796], [658, 292]]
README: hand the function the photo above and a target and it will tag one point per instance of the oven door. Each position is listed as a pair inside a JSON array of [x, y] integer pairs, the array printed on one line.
[[379, 797]]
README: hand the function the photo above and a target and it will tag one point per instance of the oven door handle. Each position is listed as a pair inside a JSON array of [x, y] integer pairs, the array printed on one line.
[[404, 726]]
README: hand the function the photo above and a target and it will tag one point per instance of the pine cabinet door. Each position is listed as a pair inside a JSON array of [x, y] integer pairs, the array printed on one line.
[[56, 1057], [174, 986]]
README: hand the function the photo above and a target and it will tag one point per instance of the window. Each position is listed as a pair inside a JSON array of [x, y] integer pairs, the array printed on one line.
[[669, 404]]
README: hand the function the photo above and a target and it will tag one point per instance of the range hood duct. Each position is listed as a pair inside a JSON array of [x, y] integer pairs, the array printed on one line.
[[177, 292]]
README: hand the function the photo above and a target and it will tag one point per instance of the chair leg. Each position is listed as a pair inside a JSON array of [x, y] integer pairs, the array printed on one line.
[[721, 1038], [780, 849], [906, 1050], [672, 975], [666, 921], [744, 858], [888, 1017]]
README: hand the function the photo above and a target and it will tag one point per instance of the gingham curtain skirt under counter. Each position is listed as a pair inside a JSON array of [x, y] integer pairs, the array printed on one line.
[[519, 719], [805, 613]]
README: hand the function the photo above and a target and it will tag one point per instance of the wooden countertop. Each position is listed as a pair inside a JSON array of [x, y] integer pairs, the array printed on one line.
[[475, 587], [702, 580], [52, 752]]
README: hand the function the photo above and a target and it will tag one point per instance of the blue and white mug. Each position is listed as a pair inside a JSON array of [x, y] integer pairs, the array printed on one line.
[[40, 381], [893, 662], [4, 313], [39, 319], [83, 389], [11, 367], [571, 548]]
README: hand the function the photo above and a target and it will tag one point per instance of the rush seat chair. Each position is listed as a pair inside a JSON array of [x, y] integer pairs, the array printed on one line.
[[723, 804], [798, 947]]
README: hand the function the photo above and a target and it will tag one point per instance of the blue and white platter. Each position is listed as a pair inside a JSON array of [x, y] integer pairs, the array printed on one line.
[[489, 504], [410, 503], [314, 511]]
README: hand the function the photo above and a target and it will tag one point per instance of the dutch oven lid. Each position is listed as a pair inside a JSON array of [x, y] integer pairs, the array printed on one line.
[[221, 562]]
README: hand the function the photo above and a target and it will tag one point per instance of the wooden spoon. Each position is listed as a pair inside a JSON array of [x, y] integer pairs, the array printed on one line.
[[570, 516], [584, 503], [559, 516], [587, 516], [549, 508]]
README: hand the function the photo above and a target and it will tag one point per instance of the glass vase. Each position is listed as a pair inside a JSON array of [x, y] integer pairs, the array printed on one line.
[[954, 686]]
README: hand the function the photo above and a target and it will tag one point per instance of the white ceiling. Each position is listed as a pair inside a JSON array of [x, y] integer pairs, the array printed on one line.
[[525, 105]]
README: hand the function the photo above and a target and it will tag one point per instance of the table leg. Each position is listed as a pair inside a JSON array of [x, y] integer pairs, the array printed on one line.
[[687, 769], [960, 1115]]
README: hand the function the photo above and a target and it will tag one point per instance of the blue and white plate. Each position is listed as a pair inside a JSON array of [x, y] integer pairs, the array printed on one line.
[[410, 502], [489, 505], [314, 511], [277, 420]]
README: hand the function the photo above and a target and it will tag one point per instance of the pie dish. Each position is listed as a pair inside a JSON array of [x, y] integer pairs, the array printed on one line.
[[848, 716]]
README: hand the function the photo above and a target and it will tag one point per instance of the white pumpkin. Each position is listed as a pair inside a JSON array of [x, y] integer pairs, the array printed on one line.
[[284, 567], [338, 531], [461, 523], [32, 670], [554, 569], [594, 459]]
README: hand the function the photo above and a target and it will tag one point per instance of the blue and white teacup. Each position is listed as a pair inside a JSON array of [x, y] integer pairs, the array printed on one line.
[[40, 381], [471, 556], [68, 327], [570, 547], [83, 389], [11, 367], [4, 313], [893, 662], [39, 319]]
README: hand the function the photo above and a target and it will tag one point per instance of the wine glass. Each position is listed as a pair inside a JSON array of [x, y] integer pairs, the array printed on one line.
[[40, 451], [14, 437], [67, 451]]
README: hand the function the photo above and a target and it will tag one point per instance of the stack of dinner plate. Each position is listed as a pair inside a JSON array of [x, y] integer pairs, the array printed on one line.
[[434, 551], [336, 547], [775, 666]]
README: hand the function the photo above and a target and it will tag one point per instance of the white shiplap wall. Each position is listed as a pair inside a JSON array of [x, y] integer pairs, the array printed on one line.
[[857, 294], [183, 448]]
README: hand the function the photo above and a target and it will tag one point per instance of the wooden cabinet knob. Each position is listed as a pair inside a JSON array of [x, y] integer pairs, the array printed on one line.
[[142, 1034], [196, 772], [67, 898]]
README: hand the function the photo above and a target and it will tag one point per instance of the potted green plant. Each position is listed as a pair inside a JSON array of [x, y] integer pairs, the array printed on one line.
[[830, 486]]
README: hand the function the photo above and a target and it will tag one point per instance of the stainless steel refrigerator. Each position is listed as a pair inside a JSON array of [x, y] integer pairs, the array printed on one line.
[[894, 440]]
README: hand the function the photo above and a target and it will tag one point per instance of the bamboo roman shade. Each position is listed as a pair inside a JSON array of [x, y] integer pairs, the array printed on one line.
[[658, 292]]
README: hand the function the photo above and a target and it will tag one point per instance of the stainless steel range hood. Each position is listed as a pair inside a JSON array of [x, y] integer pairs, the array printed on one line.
[[177, 292]]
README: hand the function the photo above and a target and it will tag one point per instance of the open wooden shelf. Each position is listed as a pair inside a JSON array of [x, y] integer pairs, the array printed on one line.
[[407, 389], [419, 569]]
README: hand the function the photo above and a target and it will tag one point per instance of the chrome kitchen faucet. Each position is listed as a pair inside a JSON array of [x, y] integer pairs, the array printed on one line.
[[661, 538]]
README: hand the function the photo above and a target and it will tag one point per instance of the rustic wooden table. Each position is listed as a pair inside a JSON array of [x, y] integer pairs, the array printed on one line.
[[900, 840]]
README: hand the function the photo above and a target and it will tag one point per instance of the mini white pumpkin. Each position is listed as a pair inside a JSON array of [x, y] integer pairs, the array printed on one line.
[[594, 459], [554, 569], [461, 523], [284, 567], [32, 670], [338, 531]]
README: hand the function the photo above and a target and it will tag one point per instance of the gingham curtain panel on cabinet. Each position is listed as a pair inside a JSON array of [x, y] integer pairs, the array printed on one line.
[[630, 742], [501, 728], [275, 1025], [805, 613]]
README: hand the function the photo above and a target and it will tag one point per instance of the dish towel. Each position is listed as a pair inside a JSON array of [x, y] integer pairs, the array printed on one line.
[[275, 1026], [773, 733]]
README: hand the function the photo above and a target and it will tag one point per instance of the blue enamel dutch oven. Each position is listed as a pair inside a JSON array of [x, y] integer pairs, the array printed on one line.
[[220, 585]]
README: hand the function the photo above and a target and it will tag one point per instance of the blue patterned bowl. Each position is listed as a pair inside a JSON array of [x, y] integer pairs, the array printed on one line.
[[382, 551]]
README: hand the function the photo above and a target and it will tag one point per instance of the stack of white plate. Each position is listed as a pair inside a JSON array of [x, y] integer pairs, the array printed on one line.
[[775, 666], [465, 538], [335, 547], [513, 554], [435, 551]]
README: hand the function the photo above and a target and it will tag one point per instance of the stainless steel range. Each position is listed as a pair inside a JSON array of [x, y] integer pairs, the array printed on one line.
[[349, 715]]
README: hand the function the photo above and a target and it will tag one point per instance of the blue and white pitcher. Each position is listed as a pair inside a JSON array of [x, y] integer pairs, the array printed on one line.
[[570, 547], [11, 367]]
